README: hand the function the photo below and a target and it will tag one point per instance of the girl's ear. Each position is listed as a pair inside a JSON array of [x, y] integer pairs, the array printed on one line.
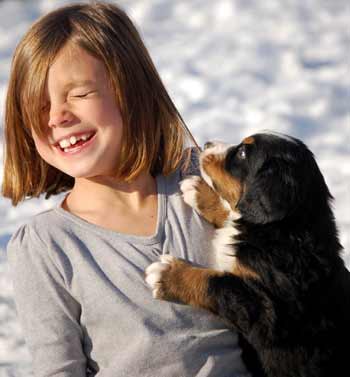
[[271, 194]]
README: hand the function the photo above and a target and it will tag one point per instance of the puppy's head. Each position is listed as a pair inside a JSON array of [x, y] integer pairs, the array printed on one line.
[[265, 178]]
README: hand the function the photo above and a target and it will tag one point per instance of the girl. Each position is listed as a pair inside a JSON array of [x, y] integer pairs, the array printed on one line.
[[87, 113]]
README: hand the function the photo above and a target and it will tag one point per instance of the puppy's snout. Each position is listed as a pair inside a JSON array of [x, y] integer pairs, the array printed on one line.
[[208, 144], [216, 147]]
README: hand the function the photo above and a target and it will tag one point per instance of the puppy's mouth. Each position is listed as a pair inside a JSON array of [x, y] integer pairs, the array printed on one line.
[[213, 167], [211, 160]]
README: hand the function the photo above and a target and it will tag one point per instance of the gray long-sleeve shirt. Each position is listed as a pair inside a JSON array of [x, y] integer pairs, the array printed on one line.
[[87, 311]]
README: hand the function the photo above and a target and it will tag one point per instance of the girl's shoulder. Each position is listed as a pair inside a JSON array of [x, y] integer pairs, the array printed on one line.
[[36, 233]]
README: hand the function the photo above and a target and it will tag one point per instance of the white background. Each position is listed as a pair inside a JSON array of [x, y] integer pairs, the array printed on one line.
[[232, 67]]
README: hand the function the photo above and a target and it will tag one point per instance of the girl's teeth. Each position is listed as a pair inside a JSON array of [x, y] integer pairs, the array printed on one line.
[[64, 143], [73, 140]]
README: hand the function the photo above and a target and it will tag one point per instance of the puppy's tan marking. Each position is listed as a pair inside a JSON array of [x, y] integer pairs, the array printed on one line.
[[244, 272], [248, 140], [227, 186]]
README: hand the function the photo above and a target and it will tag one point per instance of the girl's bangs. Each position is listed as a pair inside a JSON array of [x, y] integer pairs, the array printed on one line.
[[33, 99], [41, 48]]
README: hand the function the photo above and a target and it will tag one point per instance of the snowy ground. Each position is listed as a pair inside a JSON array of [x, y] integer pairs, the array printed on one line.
[[233, 67]]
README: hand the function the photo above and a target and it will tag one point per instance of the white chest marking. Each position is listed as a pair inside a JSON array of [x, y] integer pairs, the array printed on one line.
[[224, 246]]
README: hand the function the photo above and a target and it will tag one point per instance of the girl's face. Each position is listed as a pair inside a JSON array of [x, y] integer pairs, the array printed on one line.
[[83, 123]]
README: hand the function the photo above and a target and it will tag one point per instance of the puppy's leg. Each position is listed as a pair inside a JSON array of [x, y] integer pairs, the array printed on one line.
[[222, 293], [201, 197], [173, 279]]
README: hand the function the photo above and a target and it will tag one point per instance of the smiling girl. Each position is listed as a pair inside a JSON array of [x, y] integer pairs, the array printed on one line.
[[87, 113]]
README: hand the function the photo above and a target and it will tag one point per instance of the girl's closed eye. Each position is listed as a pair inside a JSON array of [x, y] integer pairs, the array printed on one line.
[[46, 105], [83, 94]]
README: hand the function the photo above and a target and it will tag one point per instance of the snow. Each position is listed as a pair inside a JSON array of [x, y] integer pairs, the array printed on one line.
[[232, 67]]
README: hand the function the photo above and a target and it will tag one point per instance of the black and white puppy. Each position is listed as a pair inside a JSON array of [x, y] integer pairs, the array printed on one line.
[[280, 279]]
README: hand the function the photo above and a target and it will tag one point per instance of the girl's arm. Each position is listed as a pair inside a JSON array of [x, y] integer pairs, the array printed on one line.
[[47, 311]]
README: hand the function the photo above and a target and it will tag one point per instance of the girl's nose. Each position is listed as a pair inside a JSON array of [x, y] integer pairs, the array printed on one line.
[[59, 116]]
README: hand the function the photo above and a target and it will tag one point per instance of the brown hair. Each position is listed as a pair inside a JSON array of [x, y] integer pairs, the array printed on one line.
[[154, 134]]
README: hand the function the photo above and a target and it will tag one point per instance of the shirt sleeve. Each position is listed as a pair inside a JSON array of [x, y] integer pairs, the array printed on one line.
[[48, 313]]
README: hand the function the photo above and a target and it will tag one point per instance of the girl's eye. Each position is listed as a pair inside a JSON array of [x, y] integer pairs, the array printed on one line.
[[80, 95], [83, 95]]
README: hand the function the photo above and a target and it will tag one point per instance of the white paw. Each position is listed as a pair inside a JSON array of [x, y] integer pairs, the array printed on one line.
[[189, 190], [155, 272]]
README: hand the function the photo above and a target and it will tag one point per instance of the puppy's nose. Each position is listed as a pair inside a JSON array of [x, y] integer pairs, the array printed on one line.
[[208, 144]]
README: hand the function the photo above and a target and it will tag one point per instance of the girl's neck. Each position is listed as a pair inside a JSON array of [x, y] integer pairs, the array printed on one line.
[[98, 194]]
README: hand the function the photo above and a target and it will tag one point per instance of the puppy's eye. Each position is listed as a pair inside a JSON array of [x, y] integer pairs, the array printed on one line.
[[241, 153]]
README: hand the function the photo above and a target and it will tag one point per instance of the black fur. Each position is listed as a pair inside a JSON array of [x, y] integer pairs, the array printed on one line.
[[296, 315]]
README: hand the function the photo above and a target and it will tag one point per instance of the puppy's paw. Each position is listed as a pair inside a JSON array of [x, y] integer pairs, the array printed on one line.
[[163, 277], [190, 190], [208, 159], [154, 274]]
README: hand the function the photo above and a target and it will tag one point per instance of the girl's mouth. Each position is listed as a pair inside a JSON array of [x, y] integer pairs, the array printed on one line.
[[75, 144]]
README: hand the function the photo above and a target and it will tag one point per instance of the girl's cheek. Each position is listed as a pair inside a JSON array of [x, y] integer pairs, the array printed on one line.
[[41, 144]]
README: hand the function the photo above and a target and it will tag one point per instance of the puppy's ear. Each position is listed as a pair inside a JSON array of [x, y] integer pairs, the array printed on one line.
[[271, 194]]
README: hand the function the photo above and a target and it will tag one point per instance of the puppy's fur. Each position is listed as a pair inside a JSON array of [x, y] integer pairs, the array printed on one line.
[[280, 279]]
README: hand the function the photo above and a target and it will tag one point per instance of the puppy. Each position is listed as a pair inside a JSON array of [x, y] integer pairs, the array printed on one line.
[[279, 277]]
